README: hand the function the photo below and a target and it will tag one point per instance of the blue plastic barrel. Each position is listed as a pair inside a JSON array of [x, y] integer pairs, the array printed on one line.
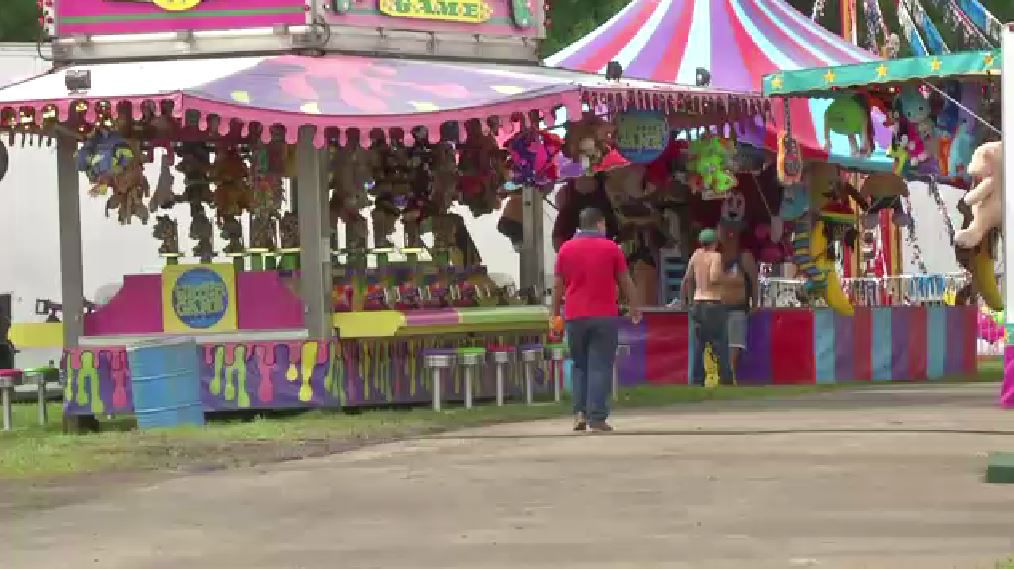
[[165, 382]]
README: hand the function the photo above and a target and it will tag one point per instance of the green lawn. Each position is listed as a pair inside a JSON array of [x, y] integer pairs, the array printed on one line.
[[31, 451]]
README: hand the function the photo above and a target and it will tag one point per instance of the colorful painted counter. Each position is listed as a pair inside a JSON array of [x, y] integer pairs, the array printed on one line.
[[805, 346], [259, 373]]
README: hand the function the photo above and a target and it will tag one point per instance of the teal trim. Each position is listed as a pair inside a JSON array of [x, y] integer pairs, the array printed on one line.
[[880, 356], [824, 345], [936, 341], [817, 82]]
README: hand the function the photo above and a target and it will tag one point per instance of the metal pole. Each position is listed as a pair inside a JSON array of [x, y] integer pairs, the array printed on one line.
[[41, 393], [557, 379], [71, 267], [436, 389], [499, 384], [529, 373], [314, 236], [533, 271], [468, 386], [8, 414]]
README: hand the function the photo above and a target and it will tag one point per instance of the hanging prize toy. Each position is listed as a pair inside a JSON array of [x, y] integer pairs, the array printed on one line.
[[790, 158], [849, 116]]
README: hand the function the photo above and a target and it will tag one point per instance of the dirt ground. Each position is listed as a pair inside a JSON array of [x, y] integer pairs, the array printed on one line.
[[878, 479]]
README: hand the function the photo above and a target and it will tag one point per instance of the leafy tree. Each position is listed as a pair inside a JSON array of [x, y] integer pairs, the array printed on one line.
[[19, 21]]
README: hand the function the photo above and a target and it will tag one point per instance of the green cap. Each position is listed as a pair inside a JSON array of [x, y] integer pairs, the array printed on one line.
[[707, 236]]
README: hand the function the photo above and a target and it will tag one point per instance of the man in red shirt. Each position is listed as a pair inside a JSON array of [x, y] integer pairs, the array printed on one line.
[[588, 269]]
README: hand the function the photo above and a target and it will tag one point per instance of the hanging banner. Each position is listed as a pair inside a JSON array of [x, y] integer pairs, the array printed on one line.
[[199, 298], [114, 17], [641, 136]]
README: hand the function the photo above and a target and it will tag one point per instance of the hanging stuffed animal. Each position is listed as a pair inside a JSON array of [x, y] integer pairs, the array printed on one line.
[[232, 233], [201, 231], [587, 141], [163, 197], [232, 183], [709, 165], [733, 211], [102, 157], [985, 199], [166, 231], [919, 133], [130, 187], [351, 178], [849, 116], [195, 165]]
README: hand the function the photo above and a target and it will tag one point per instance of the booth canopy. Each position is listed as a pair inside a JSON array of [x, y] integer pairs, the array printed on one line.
[[824, 81], [342, 91], [736, 41]]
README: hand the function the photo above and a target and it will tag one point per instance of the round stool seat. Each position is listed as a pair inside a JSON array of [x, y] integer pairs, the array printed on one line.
[[11, 377], [502, 354], [532, 353], [556, 352], [42, 374], [471, 356], [439, 357]]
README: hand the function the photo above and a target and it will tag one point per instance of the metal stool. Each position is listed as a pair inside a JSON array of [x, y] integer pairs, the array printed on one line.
[[434, 360], [470, 358], [39, 376], [557, 354], [532, 357], [621, 350], [8, 379], [503, 357]]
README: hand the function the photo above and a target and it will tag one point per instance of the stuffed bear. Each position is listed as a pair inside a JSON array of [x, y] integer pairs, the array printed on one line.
[[985, 199]]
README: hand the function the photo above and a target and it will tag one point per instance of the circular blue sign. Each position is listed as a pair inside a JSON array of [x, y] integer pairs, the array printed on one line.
[[641, 136], [200, 298]]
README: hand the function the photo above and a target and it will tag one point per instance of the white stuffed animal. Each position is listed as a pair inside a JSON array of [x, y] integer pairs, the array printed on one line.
[[985, 199]]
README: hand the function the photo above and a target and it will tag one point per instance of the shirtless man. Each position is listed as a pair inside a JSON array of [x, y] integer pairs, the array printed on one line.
[[702, 292], [739, 291]]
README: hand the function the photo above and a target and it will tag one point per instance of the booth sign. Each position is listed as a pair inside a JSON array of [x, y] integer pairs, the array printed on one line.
[[641, 136], [199, 298], [469, 11]]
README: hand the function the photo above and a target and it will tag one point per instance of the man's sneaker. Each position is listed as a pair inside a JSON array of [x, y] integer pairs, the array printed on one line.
[[580, 422], [599, 427]]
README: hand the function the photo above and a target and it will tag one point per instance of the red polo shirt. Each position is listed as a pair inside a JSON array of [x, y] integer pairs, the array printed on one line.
[[589, 266]]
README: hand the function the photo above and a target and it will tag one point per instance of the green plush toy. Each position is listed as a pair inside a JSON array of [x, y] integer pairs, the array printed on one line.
[[710, 165], [849, 116]]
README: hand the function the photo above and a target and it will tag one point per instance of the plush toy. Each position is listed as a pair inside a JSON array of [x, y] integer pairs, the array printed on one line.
[[288, 231], [166, 231], [232, 232], [709, 165], [850, 116], [985, 199], [733, 211], [587, 140], [920, 133], [481, 166], [232, 183], [103, 156], [201, 231], [163, 197], [351, 177], [195, 165], [130, 187]]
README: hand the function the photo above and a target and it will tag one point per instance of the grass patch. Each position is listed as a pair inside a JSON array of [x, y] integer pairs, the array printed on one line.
[[32, 451], [1009, 564]]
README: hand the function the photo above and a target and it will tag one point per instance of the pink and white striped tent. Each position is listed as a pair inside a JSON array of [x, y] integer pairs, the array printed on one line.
[[737, 41]]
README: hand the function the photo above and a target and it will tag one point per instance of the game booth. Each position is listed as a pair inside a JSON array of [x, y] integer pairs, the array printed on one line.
[[939, 114], [272, 135]]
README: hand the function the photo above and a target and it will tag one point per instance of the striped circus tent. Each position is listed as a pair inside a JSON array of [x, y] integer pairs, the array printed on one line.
[[738, 42]]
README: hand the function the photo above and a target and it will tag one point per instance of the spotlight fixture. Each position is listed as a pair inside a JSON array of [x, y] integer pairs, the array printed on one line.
[[703, 77], [78, 80], [614, 71]]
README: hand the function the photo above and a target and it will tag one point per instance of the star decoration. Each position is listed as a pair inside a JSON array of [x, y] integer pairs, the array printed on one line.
[[776, 82], [881, 71], [829, 76], [935, 64], [988, 61]]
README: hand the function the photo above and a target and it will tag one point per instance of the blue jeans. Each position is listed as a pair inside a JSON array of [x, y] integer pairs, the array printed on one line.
[[592, 343], [711, 326]]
